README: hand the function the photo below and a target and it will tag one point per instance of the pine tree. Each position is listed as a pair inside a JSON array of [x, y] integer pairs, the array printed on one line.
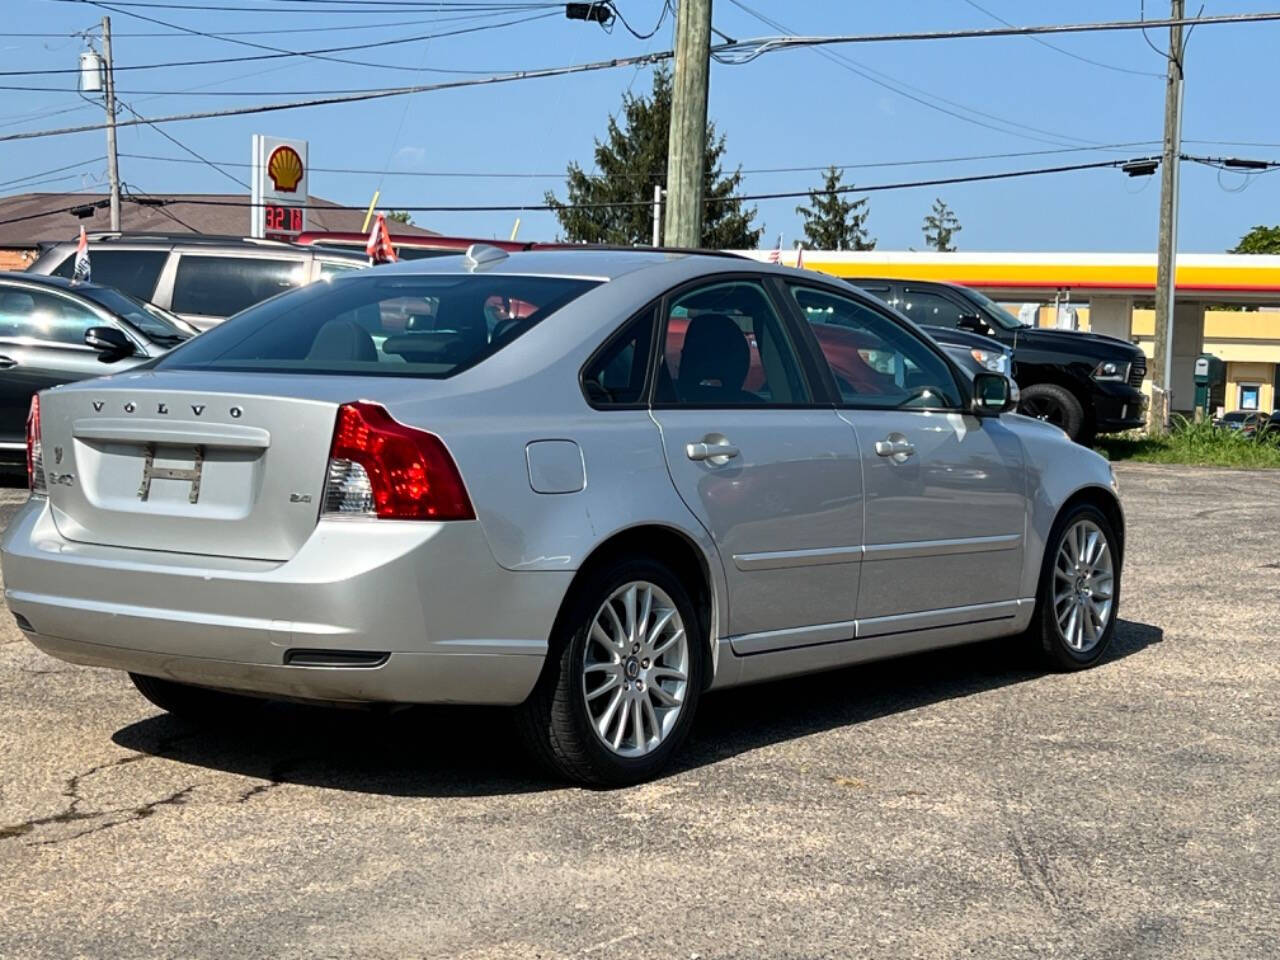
[[833, 223], [631, 160], [940, 226]]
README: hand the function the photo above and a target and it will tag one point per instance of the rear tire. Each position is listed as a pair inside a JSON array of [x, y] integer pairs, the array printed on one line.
[[197, 704], [1056, 405], [1079, 584], [623, 677]]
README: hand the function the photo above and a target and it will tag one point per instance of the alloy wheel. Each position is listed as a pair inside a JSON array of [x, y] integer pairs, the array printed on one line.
[[1083, 586], [1044, 408], [635, 670]]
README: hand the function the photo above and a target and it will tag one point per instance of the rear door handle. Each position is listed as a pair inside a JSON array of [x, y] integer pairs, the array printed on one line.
[[716, 452], [898, 449], [7, 362]]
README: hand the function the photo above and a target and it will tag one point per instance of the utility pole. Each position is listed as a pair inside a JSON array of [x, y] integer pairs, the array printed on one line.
[[1166, 254], [687, 142], [113, 168]]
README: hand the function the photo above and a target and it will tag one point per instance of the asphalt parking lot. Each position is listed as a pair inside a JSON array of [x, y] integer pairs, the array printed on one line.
[[953, 804]]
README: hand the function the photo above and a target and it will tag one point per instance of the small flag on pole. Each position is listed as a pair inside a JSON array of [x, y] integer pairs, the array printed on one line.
[[379, 247], [81, 272], [775, 255], [800, 257]]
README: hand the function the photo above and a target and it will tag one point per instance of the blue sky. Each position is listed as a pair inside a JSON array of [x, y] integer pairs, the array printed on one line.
[[786, 109]]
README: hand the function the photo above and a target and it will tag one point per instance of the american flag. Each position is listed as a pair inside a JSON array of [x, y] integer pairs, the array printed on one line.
[[775, 255], [81, 271], [379, 247]]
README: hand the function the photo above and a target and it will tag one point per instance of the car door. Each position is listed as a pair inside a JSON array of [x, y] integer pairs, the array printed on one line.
[[944, 490], [41, 345], [767, 467]]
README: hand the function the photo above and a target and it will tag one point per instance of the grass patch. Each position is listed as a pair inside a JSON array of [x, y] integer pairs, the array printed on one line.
[[1197, 444]]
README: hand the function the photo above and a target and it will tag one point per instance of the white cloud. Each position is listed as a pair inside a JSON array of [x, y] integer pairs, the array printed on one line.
[[409, 157]]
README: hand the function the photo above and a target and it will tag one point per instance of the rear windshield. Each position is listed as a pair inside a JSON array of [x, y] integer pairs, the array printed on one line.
[[389, 324]]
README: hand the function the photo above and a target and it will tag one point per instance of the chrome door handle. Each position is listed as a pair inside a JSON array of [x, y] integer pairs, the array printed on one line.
[[715, 452], [899, 449], [7, 362]]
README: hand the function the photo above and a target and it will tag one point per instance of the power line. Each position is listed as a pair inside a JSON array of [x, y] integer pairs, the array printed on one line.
[[279, 31], [199, 158], [736, 198], [277, 52], [754, 171], [641, 59], [362, 9], [925, 98], [1065, 52], [747, 50], [45, 173], [286, 52]]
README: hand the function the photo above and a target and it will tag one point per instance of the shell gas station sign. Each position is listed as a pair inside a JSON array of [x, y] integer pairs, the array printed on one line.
[[279, 190]]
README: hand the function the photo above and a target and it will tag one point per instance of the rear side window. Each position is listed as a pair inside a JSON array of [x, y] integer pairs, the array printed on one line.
[[133, 271], [221, 286], [616, 376], [374, 323]]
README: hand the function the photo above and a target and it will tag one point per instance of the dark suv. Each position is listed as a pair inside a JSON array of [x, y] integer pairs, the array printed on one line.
[[1085, 383]]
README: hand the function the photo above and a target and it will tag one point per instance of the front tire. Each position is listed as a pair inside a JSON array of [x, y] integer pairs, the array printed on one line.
[[622, 679], [1079, 595], [1054, 404]]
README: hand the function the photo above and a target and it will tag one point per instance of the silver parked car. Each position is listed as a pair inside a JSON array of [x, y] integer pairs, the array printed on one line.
[[591, 483]]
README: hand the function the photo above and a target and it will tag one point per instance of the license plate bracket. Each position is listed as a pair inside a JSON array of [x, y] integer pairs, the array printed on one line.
[[151, 472]]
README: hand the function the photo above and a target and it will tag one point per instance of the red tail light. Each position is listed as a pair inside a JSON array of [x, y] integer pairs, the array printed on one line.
[[35, 456], [379, 467]]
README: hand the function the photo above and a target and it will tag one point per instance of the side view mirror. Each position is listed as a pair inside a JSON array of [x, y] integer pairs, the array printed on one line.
[[992, 394], [111, 343], [973, 323]]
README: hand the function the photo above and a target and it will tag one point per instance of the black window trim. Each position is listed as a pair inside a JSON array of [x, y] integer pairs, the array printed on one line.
[[817, 388], [963, 386], [609, 342]]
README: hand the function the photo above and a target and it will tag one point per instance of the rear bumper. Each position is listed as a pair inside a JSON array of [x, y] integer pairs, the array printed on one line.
[[1118, 406], [455, 627]]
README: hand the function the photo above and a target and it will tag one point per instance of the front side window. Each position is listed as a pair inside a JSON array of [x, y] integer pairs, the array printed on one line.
[[221, 286], [725, 347], [930, 309], [617, 375], [133, 271], [875, 361], [375, 323], [32, 315]]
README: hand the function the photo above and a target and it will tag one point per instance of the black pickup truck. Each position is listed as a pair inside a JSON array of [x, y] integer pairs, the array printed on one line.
[[1085, 383]]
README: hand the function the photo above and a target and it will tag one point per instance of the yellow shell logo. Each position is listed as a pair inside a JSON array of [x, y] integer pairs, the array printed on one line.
[[284, 167]]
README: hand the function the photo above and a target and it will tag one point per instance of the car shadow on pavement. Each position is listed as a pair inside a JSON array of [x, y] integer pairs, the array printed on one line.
[[473, 751]]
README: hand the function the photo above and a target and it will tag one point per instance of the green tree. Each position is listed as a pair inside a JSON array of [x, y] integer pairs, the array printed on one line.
[[1259, 240], [940, 226], [401, 216], [832, 222], [616, 206]]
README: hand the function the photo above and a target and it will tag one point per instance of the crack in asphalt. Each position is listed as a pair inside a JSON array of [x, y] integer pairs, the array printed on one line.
[[71, 792], [140, 812]]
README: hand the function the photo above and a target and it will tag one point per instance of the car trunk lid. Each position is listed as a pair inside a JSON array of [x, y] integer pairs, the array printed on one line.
[[222, 474]]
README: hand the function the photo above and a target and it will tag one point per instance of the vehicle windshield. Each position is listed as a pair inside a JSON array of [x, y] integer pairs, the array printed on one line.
[[381, 324], [148, 319], [997, 313], [1236, 417]]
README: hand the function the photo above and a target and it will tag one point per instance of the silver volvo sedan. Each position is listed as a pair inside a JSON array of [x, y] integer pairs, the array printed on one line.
[[591, 483]]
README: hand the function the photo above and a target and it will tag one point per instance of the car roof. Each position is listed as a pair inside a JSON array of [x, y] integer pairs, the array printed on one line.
[[597, 263], [48, 280], [167, 241]]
